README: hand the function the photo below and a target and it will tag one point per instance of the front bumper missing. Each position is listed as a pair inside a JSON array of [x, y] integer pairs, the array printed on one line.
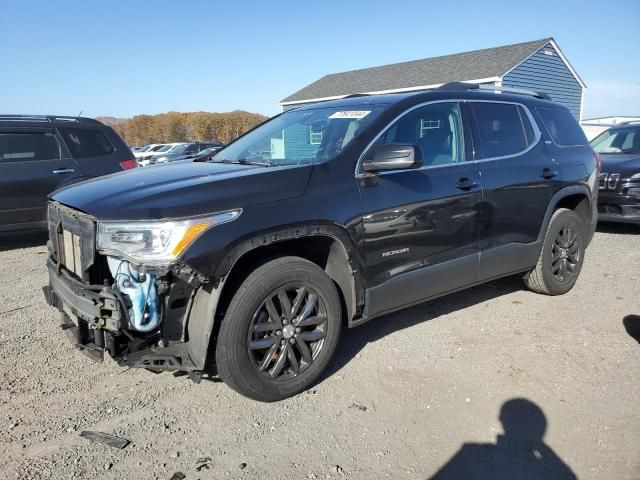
[[95, 320], [90, 313]]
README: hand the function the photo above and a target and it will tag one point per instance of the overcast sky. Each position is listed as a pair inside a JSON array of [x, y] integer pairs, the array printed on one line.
[[122, 58]]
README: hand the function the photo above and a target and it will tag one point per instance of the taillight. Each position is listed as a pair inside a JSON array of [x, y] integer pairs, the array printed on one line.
[[128, 164]]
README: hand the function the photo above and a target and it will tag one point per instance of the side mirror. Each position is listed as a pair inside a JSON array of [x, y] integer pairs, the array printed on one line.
[[391, 157]]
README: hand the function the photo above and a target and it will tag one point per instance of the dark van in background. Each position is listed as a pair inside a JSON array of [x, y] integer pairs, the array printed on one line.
[[39, 154]]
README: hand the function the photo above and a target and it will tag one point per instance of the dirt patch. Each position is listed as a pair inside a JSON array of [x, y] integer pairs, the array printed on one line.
[[405, 396]]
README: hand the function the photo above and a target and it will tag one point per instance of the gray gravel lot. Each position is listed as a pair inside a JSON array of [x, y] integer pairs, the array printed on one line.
[[403, 395]]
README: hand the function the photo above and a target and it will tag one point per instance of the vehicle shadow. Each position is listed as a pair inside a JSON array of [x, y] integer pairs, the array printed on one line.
[[352, 340], [13, 241], [520, 453], [618, 228], [632, 326]]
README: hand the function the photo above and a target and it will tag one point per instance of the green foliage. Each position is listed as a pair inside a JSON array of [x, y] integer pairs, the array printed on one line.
[[184, 127]]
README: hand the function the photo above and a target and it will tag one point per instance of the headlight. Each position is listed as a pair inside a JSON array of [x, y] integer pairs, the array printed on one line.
[[156, 243], [635, 176]]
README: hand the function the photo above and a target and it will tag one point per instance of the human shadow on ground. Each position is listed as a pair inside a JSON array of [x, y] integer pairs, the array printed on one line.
[[632, 326], [519, 454], [13, 241], [352, 340]]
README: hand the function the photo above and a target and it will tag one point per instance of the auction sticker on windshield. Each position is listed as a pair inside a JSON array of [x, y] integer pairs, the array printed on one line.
[[353, 114]]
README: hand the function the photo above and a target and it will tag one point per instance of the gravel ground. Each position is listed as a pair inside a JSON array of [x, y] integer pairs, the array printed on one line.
[[402, 397]]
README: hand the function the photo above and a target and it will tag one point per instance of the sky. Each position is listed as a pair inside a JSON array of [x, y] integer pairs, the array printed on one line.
[[123, 58]]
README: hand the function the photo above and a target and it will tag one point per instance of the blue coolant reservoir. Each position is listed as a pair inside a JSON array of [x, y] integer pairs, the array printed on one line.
[[141, 290]]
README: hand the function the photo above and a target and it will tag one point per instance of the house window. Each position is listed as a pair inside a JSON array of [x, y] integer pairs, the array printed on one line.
[[315, 136], [428, 124]]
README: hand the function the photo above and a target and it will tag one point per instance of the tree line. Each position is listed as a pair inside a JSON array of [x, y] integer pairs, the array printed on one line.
[[184, 127]]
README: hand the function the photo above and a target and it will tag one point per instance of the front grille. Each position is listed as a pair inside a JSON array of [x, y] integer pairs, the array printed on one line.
[[72, 236], [72, 253]]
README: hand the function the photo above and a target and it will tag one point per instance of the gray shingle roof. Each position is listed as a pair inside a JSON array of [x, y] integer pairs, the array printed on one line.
[[490, 62]]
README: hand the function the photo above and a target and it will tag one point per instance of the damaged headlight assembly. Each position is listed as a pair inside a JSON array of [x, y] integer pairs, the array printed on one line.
[[138, 251]]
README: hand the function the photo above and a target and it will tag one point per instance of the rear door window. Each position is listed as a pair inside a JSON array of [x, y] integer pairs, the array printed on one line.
[[24, 147], [84, 143], [500, 129], [562, 126]]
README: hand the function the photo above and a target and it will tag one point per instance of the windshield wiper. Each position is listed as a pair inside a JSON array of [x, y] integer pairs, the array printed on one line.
[[243, 161]]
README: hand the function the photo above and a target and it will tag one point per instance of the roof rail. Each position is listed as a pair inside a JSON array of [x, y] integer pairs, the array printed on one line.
[[356, 95], [47, 118], [493, 88]]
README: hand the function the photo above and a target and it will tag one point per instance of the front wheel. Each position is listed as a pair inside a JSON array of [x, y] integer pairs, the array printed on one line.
[[561, 257], [280, 330]]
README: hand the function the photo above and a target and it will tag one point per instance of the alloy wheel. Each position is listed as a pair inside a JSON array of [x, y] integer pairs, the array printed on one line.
[[565, 254], [287, 332]]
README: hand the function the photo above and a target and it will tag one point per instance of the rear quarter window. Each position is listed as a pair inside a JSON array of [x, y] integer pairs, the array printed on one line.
[[24, 147], [84, 143], [562, 126]]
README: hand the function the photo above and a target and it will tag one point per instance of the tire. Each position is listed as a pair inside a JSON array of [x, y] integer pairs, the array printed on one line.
[[249, 348], [562, 255]]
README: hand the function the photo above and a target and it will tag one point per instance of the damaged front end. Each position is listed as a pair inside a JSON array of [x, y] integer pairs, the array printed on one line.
[[122, 289]]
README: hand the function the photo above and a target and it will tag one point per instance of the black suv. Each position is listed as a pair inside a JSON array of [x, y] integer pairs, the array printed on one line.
[[39, 154], [619, 149], [247, 266]]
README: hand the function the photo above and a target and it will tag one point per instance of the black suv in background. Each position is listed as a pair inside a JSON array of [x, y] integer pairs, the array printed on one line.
[[331, 214], [619, 150], [39, 154]]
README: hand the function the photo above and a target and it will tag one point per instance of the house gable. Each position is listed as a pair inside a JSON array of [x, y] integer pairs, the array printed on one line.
[[547, 71]]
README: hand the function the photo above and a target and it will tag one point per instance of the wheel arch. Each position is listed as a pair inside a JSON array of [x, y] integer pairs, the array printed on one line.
[[577, 198], [328, 246]]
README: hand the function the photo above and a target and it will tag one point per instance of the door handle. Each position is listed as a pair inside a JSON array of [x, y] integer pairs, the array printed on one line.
[[466, 183], [63, 171], [548, 173]]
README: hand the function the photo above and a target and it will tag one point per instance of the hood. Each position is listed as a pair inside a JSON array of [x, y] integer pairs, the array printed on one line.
[[183, 189], [624, 164]]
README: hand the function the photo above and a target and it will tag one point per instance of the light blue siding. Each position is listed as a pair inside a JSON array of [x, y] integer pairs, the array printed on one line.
[[549, 74], [297, 143]]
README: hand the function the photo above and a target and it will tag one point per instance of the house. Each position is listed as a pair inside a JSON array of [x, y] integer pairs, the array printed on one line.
[[539, 65]]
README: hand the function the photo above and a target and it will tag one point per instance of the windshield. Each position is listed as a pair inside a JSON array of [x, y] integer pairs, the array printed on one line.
[[622, 141], [178, 148], [301, 136]]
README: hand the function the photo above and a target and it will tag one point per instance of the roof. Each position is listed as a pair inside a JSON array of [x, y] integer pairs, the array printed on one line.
[[55, 119], [479, 66], [407, 99]]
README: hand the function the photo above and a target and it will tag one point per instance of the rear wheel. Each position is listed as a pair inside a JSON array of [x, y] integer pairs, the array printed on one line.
[[562, 255], [280, 330]]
